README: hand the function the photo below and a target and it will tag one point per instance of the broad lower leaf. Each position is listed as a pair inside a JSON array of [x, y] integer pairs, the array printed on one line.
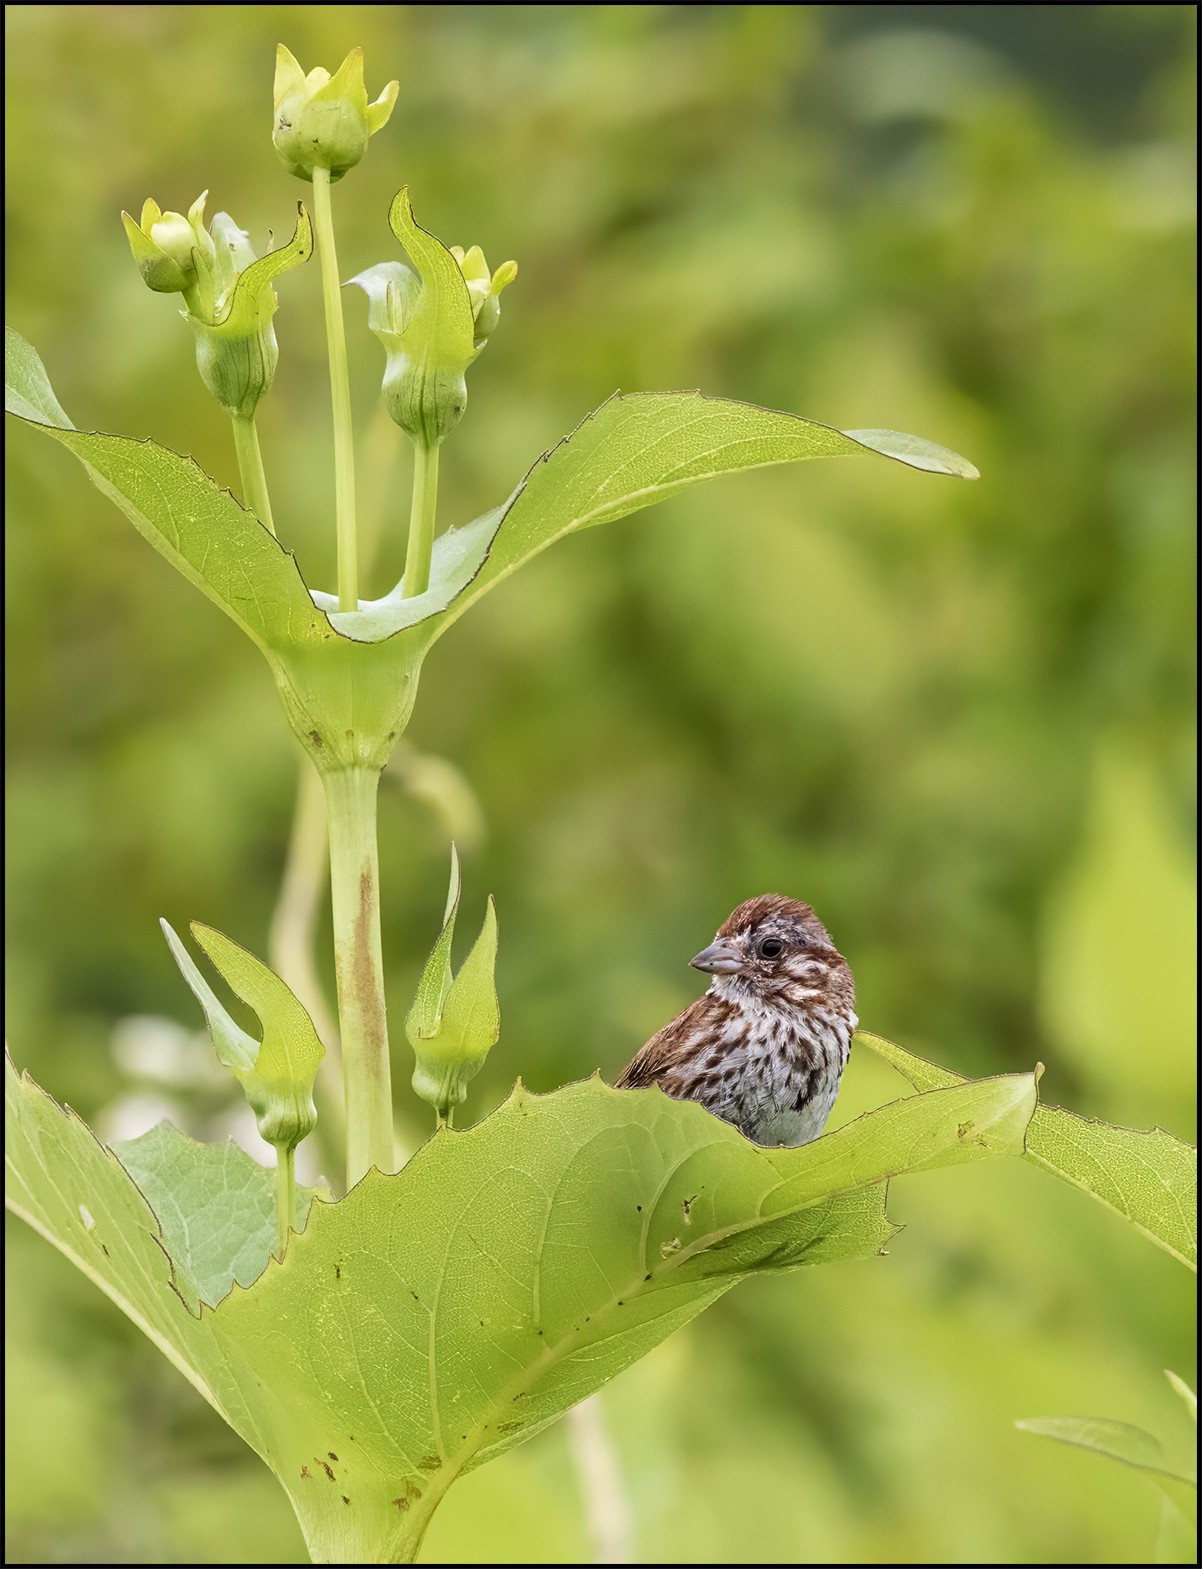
[[436, 1317], [1146, 1175], [1130, 1446], [216, 1208]]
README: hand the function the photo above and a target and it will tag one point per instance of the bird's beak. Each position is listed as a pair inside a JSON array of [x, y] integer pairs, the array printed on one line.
[[719, 958]]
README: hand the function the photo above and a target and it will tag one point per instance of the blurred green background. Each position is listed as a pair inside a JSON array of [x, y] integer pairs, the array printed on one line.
[[956, 718]]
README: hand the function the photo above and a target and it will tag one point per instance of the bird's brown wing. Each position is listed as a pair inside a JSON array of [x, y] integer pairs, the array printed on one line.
[[667, 1050]]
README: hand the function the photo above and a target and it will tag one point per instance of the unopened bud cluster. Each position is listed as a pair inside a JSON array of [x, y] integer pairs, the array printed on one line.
[[227, 293]]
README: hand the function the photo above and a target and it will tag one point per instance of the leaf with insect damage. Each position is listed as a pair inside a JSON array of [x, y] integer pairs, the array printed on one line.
[[1146, 1175], [436, 1317]]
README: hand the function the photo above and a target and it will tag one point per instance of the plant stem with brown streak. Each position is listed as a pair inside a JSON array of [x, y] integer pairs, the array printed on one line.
[[355, 884]]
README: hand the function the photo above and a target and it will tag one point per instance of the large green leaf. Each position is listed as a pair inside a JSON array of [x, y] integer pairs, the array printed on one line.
[[434, 1318], [1146, 1175], [348, 679], [213, 540], [635, 450]]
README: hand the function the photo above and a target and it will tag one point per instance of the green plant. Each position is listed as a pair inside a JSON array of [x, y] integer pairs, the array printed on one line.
[[430, 1319], [1141, 1451]]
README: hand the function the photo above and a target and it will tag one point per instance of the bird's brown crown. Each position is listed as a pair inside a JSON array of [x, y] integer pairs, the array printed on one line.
[[775, 907]]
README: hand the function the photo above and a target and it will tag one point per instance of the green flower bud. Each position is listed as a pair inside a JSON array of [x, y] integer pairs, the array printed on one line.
[[236, 349], [323, 121], [484, 289], [229, 295], [453, 1024], [166, 245], [432, 326], [237, 369]]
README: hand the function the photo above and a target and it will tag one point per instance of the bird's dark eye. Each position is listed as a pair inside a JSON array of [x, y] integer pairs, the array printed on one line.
[[770, 948]]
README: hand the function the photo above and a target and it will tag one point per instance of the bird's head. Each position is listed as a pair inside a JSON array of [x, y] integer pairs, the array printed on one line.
[[773, 946]]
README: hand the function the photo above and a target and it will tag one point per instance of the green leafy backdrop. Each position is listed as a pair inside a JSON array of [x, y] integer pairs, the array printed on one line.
[[954, 718]]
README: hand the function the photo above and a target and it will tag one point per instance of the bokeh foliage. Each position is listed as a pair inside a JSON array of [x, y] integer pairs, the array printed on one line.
[[956, 719]]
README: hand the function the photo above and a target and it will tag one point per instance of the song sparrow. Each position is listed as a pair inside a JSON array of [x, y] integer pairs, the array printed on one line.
[[766, 1046]]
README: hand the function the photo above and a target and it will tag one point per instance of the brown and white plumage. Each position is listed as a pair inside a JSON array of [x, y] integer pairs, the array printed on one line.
[[766, 1046]]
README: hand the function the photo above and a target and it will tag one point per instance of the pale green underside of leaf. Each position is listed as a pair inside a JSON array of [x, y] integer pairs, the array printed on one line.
[[1147, 1176], [235, 1048], [435, 1318], [1130, 1446], [633, 451], [216, 1207]]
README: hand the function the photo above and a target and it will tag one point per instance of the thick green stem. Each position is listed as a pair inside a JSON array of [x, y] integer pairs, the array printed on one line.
[[250, 468], [367, 1535], [340, 396], [292, 936], [355, 882], [285, 1192], [421, 520]]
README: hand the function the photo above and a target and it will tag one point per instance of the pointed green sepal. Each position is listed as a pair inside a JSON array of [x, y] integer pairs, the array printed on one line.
[[235, 1049], [471, 1013], [428, 329], [425, 1015], [277, 1073], [236, 348], [454, 1023]]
